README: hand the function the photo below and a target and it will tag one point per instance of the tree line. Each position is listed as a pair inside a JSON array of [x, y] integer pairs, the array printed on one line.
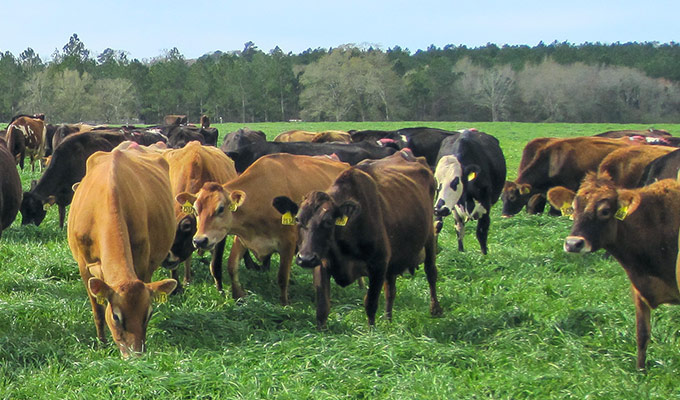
[[557, 82]]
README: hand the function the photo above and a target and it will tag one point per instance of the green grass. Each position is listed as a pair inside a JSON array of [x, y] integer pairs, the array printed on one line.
[[525, 321]]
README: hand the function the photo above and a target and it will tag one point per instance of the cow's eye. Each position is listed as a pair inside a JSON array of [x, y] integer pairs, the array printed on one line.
[[117, 318], [220, 209], [605, 212]]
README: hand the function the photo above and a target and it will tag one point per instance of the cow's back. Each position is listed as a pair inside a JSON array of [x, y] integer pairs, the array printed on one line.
[[664, 167], [626, 166]]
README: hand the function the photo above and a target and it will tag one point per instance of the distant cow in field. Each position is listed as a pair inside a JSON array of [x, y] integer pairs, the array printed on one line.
[[120, 228], [470, 174], [651, 132], [26, 136], [295, 136], [174, 119], [332, 136], [639, 228], [10, 188], [359, 227], [626, 165], [241, 138]]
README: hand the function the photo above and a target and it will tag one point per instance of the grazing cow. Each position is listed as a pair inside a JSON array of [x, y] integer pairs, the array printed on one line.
[[64, 130], [295, 136], [242, 207], [651, 132], [639, 228], [120, 229], [470, 174], [423, 142], [664, 167], [190, 168], [240, 138], [175, 119], [204, 121], [350, 153], [26, 135], [556, 162], [66, 168], [626, 165], [359, 227], [10, 188], [332, 136]]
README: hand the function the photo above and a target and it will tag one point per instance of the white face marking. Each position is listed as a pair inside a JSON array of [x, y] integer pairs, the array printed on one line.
[[448, 171]]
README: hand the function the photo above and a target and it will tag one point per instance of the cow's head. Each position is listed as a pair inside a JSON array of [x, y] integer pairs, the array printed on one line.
[[448, 174], [515, 196], [128, 309], [316, 218], [34, 208], [214, 206], [597, 209], [469, 205], [182, 246]]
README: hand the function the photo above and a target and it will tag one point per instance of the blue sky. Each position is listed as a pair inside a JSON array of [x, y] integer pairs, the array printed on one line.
[[146, 28]]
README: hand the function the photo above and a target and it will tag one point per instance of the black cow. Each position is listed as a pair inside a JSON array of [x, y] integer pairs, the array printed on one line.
[[423, 142], [350, 153], [470, 173], [180, 135], [66, 168], [359, 227], [663, 167], [10, 187], [240, 138]]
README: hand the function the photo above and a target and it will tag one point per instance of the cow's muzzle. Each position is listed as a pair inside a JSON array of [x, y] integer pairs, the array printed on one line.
[[202, 242], [307, 260], [576, 244]]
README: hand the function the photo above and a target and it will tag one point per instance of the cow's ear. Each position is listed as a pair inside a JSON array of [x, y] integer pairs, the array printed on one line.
[[347, 210], [284, 204], [237, 197], [509, 185], [232, 154], [471, 172], [561, 198], [75, 186], [161, 289], [558, 161], [628, 202], [524, 188], [185, 197], [100, 290]]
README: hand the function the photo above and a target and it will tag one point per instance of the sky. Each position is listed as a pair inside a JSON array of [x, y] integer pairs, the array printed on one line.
[[148, 28]]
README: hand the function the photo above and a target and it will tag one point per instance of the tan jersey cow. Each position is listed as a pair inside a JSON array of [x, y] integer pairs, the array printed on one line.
[[26, 135], [120, 228]]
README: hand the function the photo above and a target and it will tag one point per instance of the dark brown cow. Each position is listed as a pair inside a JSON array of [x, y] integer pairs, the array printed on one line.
[[375, 220], [638, 227], [10, 188], [556, 162], [626, 165], [119, 230], [651, 132], [242, 207], [26, 135]]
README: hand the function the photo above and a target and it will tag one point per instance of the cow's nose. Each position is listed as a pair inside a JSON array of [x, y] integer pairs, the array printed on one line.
[[201, 242], [574, 244], [307, 260]]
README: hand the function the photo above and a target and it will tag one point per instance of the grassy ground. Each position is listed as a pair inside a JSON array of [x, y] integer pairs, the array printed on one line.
[[526, 321]]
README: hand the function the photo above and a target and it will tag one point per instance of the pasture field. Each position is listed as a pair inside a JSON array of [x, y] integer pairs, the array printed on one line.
[[525, 321]]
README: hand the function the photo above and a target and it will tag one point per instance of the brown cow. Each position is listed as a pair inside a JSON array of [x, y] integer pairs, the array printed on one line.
[[295, 136], [638, 227], [651, 132], [627, 165], [120, 228], [332, 136], [242, 207], [10, 188], [375, 220], [26, 135], [556, 162], [174, 119], [191, 167]]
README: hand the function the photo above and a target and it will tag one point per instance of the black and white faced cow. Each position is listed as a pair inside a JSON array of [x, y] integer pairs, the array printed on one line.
[[470, 175]]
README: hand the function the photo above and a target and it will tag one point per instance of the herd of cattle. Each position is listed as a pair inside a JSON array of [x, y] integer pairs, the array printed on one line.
[[332, 201]]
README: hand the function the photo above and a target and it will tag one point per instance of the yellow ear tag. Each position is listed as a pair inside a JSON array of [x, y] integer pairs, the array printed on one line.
[[341, 221], [524, 190], [101, 300], [47, 206], [621, 213], [188, 208], [287, 219], [567, 210], [471, 176], [233, 207], [160, 297]]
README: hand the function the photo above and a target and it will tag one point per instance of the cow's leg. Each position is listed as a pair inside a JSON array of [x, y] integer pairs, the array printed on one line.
[[390, 293], [62, 215], [536, 204], [174, 274], [98, 310], [643, 328], [375, 282], [483, 231], [460, 230], [322, 287], [286, 255], [235, 255], [187, 271], [216, 263], [431, 274]]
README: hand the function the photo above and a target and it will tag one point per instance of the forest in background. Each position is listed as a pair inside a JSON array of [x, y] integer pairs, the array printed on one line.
[[557, 82]]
